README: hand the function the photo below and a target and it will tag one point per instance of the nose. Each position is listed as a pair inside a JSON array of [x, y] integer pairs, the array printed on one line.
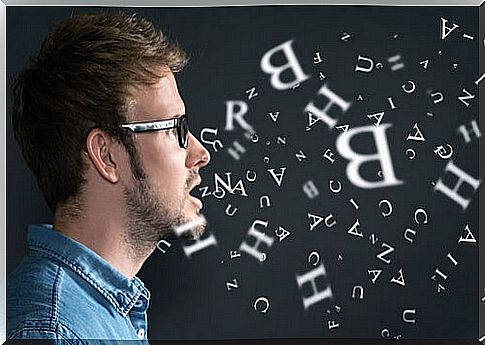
[[197, 155]]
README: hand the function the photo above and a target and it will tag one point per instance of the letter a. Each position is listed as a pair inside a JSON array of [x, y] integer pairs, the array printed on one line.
[[375, 274], [354, 230], [445, 31], [312, 119], [316, 219], [469, 236], [418, 136], [278, 177], [400, 279], [378, 117]]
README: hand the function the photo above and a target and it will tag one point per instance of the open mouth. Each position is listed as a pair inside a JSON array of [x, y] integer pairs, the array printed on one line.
[[197, 201]]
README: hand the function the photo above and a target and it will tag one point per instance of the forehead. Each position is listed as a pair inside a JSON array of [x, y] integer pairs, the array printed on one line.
[[158, 101]]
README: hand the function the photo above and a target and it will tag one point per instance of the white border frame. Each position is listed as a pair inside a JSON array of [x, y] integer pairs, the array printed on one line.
[[136, 3], [214, 3], [3, 171]]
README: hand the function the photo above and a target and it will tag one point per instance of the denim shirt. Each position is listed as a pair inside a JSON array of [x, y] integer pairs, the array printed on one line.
[[64, 291]]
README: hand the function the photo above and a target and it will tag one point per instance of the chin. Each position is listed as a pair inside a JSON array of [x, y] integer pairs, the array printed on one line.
[[199, 230], [193, 213], [196, 232]]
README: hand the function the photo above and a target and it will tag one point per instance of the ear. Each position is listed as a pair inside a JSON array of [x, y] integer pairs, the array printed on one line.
[[102, 152]]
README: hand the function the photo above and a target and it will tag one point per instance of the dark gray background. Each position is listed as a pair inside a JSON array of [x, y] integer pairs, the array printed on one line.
[[189, 297]]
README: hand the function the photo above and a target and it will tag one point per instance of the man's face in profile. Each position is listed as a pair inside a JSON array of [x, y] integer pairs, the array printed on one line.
[[161, 201]]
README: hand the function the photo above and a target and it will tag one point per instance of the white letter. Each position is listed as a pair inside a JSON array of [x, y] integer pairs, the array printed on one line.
[[276, 71], [357, 159]]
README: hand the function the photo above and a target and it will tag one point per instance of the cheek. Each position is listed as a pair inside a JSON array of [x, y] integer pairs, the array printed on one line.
[[167, 176]]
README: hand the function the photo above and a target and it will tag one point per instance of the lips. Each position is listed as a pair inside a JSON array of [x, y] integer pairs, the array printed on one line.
[[197, 202], [193, 198], [197, 182]]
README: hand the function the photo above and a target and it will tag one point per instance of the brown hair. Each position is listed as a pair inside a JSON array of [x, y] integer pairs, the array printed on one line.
[[80, 80]]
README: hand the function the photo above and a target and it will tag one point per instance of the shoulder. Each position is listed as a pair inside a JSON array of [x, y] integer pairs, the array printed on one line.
[[47, 299], [34, 292], [45, 329], [30, 289]]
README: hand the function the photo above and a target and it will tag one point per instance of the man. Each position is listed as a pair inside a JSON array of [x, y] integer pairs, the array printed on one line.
[[101, 124]]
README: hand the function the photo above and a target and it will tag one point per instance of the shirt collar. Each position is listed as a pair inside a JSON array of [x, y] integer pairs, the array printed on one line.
[[119, 290]]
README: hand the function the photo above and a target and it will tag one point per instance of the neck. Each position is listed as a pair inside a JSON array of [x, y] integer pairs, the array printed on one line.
[[102, 230]]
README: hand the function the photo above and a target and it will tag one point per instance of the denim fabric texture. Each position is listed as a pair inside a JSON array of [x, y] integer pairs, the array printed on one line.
[[64, 291]]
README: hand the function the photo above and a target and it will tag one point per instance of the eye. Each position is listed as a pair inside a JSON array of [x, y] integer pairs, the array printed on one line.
[[171, 131], [173, 134]]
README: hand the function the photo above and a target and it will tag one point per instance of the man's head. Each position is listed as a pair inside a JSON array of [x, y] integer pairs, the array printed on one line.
[[93, 74]]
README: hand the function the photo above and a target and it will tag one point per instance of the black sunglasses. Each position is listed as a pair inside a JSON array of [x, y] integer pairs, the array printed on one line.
[[181, 123]]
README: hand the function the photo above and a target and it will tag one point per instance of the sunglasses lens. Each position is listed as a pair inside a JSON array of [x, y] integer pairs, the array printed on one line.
[[184, 131]]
